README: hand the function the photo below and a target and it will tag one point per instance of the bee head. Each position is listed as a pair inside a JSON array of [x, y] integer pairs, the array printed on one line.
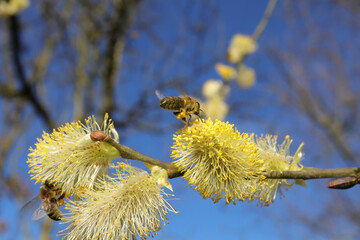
[[48, 184], [197, 108]]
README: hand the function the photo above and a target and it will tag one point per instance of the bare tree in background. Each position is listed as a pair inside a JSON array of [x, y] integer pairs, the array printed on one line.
[[318, 78], [62, 61]]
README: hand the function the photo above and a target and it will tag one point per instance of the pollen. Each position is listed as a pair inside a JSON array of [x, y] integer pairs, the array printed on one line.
[[276, 158], [217, 160], [68, 154], [222, 163], [131, 205]]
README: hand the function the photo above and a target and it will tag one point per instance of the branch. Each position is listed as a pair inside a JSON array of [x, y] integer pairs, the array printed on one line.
[[314, 173], [312, 106], [306, 173], [27, 90], [129, 153], [261, 26], [47, 227], [115, 47], [265, 20], [9, 92]]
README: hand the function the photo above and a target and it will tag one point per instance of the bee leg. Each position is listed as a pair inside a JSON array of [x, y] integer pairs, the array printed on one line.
[[185, 121], [177, 115], [60, 200], [182, 116], [62, 196]]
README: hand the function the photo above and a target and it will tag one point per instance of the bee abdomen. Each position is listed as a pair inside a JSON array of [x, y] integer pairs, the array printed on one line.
[[55, 214], [172, 103], [51, 208]]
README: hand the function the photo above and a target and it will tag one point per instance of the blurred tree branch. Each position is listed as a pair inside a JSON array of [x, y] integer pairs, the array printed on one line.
[[119, 26], [313, 107], [319, 83], [27, 90], [265, 20], [73, 58]]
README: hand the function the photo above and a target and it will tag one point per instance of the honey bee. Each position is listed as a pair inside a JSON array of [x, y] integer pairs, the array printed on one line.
[[49, 202], [184, 106]]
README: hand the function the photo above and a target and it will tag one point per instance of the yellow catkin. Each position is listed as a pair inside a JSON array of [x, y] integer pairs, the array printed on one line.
[[128, 206], [68, 154]]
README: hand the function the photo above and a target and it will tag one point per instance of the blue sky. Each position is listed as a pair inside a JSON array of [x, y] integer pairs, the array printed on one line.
[[199, 218]]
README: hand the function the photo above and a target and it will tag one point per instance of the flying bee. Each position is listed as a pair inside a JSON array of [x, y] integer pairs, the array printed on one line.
[[184, 106], [49, 202]]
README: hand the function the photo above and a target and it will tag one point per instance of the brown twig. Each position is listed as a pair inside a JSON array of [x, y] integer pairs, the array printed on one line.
[[129, 153], [314, 173], [306, 173]]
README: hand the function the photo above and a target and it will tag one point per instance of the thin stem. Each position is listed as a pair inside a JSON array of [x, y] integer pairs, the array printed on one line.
[[306, 173], [314, 173], [130, 153], [260, 27], [265, 20]]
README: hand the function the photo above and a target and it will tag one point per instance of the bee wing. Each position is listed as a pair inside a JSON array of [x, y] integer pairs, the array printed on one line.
[[159, 94], [38, 213], [33, 205]]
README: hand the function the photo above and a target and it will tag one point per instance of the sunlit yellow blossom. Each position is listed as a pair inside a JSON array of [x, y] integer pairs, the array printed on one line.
[[12, 7], [246, 77], [215, 88], [240, 46], [276, 158], [70, 158], [217, 159], [225, 71], [130, 206], [216, 108]]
